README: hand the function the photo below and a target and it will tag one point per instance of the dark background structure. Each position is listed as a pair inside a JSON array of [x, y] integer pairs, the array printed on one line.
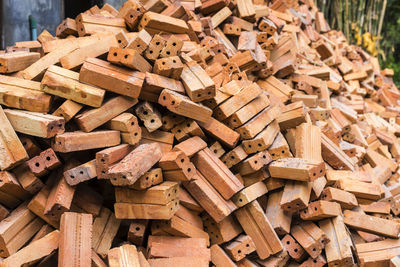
[[14, 16]]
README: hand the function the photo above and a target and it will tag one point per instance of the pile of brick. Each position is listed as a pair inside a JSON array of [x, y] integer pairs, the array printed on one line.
[[232, 133]]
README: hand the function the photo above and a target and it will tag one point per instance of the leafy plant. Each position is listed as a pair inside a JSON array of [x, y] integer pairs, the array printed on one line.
[[373, 24], [390, 42]]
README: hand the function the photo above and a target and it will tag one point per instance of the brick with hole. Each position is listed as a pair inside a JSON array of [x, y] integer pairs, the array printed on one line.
[[240, 247], [47, 160], [293, 248]]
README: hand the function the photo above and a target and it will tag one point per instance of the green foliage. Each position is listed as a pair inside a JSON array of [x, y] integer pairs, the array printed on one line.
[[390, 43], [380, 18], [354, 18]]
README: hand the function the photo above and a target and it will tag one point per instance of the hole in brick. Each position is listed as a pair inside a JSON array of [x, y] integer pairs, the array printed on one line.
[[156, 175], [255, 162], [215, 151], [259, 145], [104, 172], [295, 250], [209, 93], [314, 174], [198, 95], [151, 51], [182, 160], [131, 16], [264, 157], [288, 207], [288, 242], [273, 154], [315, 261], [152, 121], [81, 172], [135, 134], [188, 125], [137, 228], [174, 61], [249, 146], [37, 164], [189, 169], [314, 249], [173, 102], [239, 251], [320, 171], [283, 151], [174, 44], [115, 54], [157, 43], [138, 45], [72, 177], [163, 98], [126, 56], [168, 52], [179, 131], [123, 177], [147, 178], [315, 209], [119, 41], [48, 158]]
